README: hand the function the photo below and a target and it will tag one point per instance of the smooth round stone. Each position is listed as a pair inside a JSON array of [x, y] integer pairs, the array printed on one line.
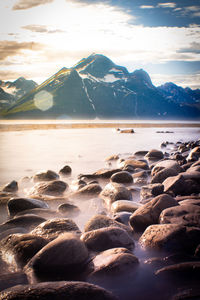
[[45, 176], [154, 154], [66, 170], [124, 205], [122, 177], [11, 187], [54, 188]]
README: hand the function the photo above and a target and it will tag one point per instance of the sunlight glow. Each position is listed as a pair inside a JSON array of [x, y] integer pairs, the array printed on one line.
[[43, 100]]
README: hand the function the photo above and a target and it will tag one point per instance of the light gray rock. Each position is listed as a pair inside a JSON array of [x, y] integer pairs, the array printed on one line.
[[124, 205], [115, 191], [170, 164]]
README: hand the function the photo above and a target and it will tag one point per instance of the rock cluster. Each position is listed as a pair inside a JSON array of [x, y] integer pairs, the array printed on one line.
[[149, 203]]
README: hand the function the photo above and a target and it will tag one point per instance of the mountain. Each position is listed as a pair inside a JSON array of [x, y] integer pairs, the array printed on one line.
[[11, 91], [96, 87]]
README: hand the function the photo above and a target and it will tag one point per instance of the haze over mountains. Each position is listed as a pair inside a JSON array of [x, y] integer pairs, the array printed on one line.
[[96, 87]]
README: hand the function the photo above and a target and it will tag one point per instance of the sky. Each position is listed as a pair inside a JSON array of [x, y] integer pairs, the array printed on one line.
[[39, 37]]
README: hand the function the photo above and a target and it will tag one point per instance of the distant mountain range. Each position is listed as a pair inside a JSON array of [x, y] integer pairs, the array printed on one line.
[[96, 87]]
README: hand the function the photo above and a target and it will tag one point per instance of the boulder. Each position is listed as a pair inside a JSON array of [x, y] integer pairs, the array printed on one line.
[[154, 154], [141, 153], [64, 258], [149, 213], [106, 238], [141, 174], [174, 184], [188, 215], [73, 290], [122, 177], [187, 294], [28, 222], [122, 217], [41, 212], [124, 205], [66, 170], [88, 191], [52, 228], [9, 280], [197, 252], [186, 270], [5, 197], [115, 191], [194, 154], [16, 205], [68, 209], [141, 164], [102, 173], [54, 188], [10, 231], [45, 176], [10, 187], [113, 262], [101, 221], [150, 191], [170, 238], [170, 164], [161, 175], [18, 249], [190, 202]]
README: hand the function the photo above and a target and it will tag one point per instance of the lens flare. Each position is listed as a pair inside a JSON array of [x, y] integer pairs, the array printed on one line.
[[43, 100]]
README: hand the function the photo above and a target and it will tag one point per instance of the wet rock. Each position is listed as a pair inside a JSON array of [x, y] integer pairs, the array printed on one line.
[[113, 262], [101, 221], [5, 197], [102, 173], [124, 205], [141, 153], [171, 238], [150, 191], [11, 187], [163, 174], [57, 290], [8, 232], [188, 215], [194, 154], [135, 164], [128, 130], [154, 154], [186, 270], [18, 249], [41, 212], [54, 188], [28, 222], [45, 176], [16, 205], [188, 294], [191, 197], [141, 174], [170, 164], [174, 184], [122, 217], [190, 201], [52, 228], [78, 184], [12, 279], [106, 238], [149, 213], [197, 251], [66, 170], [122, 177], [112, 157], [115, 191], [88, 191], [68, 209], [62, 258]]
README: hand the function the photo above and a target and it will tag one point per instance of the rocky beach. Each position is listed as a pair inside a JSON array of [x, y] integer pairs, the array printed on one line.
[[127, 230]]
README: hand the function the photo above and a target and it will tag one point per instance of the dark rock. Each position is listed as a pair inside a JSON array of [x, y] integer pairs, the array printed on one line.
[[54, 188], [140, 174], [5, 197], [150, 191], [52, 228], [45, 176], [174, 184], [187, 270], [66, 170], [154, 154], [122, 177], [102, 173], [171, 238], [126, 130], [190, 201], [41, 212], [163, 174], [149, 213], [88, 191], [6, 233], [11, 187], [16, 205], [122, 217], [12, 279], [188, 215], [141, 153], [62, 258], [106, 238], [197, 251], [56, 291], [101, 221], [28, 222], [115, 191], [68, 209], [188, 294], [18, 249]]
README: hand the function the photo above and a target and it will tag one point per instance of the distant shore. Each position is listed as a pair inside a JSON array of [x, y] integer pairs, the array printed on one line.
[[18, 126]]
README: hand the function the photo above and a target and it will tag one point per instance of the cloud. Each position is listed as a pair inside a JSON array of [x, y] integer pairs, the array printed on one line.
[[12, 48], [187, 80], [26, 4], [192, 8], [41, 29], [147, 6], [167, 5], [194, 48]]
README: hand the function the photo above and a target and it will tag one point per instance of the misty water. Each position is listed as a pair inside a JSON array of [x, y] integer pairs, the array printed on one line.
[[25, 152]]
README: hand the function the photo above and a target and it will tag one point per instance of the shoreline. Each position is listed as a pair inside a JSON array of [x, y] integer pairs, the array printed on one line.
[[42, 126]]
